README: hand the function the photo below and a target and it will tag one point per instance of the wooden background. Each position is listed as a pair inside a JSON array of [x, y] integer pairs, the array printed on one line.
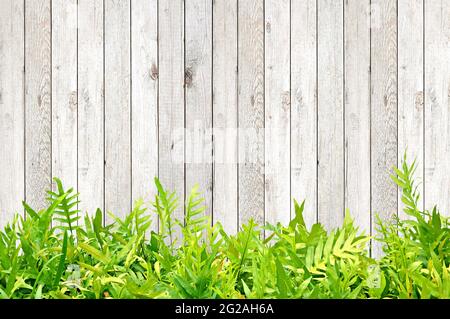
[[327, 95]]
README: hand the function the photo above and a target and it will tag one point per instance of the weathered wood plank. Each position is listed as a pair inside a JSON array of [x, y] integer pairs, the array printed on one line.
[[410, 88], [37, 102], [437, 105], [304, 106], [64, 92], [144, 66], [330, 113], [90, 105], [383, 111], [171, 98], [277, 111], [198, 68], [225, 191], [251, 110], [11, 109], [117, 108], [357, 111]]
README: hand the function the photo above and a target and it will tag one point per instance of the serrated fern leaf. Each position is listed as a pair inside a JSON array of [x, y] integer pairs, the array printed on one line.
[[195, 221], [164, 205], [404, 179], [66, 212]]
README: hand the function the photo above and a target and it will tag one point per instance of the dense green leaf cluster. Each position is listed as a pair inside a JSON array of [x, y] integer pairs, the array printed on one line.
[[54, 253]]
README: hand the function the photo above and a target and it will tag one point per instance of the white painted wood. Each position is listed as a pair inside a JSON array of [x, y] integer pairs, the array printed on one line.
[[11, 109], [251, 110], [64, 92], [383, 112], [330, 113], [198, 90], [117, 108], [37, 102], [277, 111], [171, 98], [437, 105], [144, 66], [304, 107], [357, 111], [90, 106], [225, 107], [410, 89]]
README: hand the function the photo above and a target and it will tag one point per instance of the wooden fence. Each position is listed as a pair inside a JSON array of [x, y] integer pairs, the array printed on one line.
[[256, 101]]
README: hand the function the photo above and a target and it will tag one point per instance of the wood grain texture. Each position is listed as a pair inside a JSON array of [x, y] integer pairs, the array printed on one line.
[[225, 191], [198, 90], [330, 113], [304, 106], [11, 109], [171, 98], [251, 110], [117, 108], [90, 106], [383, 112], [144, 66], [410, 89], [277, 111], [64, 92], [357, 111], [437, 105], [37, 102]]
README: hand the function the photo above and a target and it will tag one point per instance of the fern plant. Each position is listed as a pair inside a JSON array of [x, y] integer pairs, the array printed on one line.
[[417, 250], [58, 253], [195, 222]]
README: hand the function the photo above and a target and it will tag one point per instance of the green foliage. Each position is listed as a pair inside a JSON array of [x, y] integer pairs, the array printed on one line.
[[65, 212], [417, 250], [57, 253]]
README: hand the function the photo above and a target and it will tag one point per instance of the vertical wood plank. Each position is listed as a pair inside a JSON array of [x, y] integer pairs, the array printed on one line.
[[304, 106], [383, 111], [117, 107], [11, 109], [90, 105], [64, 92], [37, 102], [277, 111], [251, 110], [410, 89], [437, 103], [198, 67], [144, 66], [357, 111], [330, 113], [225, 191], [171, 98]]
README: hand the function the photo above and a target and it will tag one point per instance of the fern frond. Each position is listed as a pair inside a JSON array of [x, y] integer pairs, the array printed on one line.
[[298, 219], [66, 212], [164, 205], [342, 244], [142, 221], [404, 179], [136, 222], [195, 221]]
